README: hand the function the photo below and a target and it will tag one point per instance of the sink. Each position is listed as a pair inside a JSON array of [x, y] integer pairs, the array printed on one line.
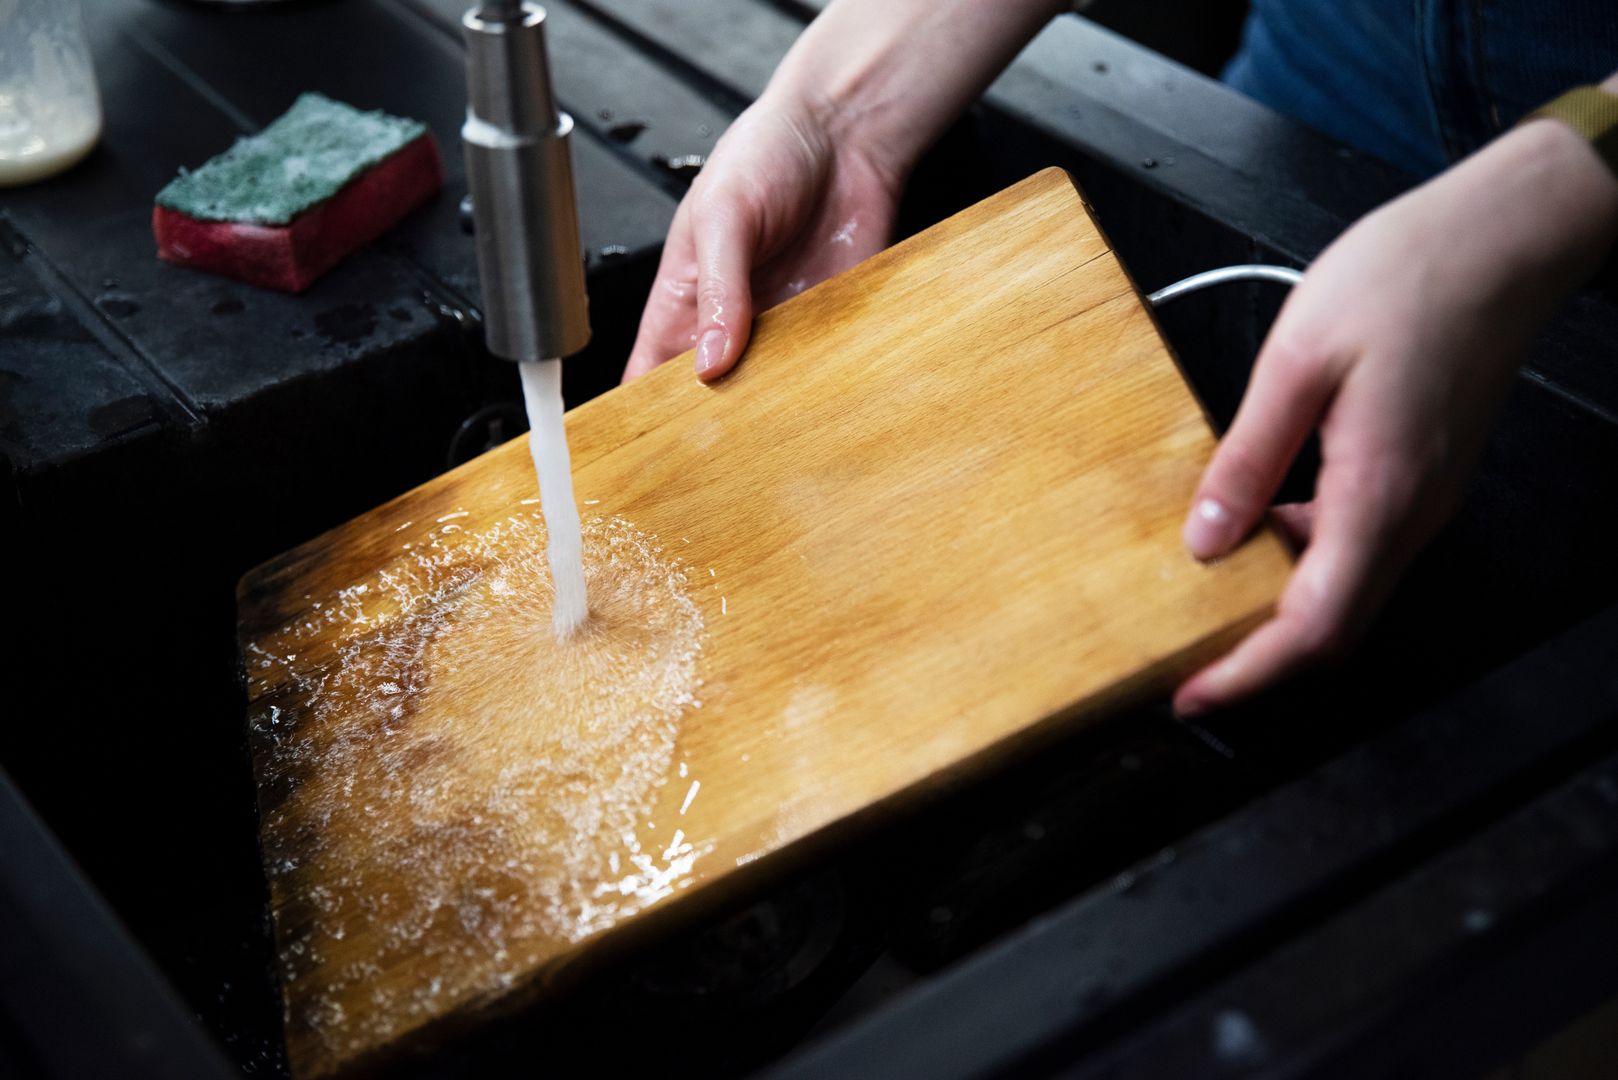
[[128, 732]]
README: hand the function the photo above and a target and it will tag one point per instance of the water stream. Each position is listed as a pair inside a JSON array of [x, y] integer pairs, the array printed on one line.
[[547, 442]]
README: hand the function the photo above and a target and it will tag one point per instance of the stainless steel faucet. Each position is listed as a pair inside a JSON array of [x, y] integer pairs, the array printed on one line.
[[520, 171]]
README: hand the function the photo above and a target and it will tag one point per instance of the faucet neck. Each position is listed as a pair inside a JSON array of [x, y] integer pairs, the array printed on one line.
[[508, 69]]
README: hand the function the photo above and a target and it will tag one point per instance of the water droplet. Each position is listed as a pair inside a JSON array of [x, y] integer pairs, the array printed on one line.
[[684, 166]]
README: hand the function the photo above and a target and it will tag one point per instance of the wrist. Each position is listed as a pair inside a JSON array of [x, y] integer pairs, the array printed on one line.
[[847, 104], [830, 132], [1555, 199], [886, 79]]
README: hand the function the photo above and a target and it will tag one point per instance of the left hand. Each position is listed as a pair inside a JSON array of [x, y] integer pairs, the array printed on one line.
[[1398, 346]]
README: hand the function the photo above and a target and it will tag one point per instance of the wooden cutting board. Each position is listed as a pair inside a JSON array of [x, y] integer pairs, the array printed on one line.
[[934, 513]]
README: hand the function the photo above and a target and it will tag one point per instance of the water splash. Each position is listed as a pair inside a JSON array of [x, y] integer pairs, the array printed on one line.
[[450, 794]]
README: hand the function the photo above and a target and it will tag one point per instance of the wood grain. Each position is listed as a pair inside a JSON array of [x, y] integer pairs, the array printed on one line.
[[933, 515]]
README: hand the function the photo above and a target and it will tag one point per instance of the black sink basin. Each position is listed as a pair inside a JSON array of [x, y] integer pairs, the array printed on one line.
[[127, 533]]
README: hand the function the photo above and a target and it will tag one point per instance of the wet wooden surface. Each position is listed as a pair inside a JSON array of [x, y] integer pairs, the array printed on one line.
[[933, 516]]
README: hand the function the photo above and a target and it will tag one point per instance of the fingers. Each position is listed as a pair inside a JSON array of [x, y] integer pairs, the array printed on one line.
[[1270, 652], [1307, 627], [726, 240], [1296, 522], [1355, 553], [701, 297], [667, 326], [1285, 399]]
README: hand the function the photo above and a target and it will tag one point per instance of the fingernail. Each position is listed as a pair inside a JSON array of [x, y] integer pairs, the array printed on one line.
[[1207, 528], [710, 351]]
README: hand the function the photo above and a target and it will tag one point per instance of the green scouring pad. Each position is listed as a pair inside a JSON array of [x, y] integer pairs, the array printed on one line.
[[282, 207]]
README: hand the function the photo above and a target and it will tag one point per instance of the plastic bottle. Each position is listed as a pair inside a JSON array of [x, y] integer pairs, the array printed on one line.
[[50, 111]]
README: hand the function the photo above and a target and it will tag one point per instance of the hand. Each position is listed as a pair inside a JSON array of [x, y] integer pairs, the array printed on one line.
[[1398, 346], [780, 205], [804, 184]]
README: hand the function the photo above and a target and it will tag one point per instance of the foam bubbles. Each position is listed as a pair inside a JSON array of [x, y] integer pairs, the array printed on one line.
[[451, 794]]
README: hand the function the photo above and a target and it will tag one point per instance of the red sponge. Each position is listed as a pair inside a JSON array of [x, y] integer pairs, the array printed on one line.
[[284, 206]]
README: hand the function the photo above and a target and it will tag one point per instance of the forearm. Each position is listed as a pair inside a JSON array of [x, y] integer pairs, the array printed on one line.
[[1545, 209], [891, 75], [1576, 216], [1397, 349]]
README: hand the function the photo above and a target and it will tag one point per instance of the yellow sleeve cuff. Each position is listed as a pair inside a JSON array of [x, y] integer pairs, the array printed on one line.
[[1590, 111]]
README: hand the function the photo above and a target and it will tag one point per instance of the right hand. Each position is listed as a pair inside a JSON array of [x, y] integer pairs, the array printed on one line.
[[782, 203]]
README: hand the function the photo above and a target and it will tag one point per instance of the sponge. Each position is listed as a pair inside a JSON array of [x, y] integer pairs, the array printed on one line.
[[282, 207]]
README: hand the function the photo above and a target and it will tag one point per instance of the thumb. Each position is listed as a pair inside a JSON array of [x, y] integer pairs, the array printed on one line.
[[726, 238], [1285, 398]]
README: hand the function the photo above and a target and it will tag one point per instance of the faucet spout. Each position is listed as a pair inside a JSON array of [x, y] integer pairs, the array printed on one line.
[[520, 171], [500, 10]]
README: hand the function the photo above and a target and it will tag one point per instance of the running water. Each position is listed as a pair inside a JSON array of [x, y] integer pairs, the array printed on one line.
[[547, 442]]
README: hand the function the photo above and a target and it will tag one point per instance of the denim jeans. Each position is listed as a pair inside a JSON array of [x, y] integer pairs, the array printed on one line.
[[1420, 83]]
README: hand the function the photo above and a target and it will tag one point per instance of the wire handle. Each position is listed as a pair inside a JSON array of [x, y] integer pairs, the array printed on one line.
[[1284, 275]]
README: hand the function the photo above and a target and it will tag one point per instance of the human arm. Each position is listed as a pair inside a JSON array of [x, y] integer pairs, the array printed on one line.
[[805, 183], [1398, 347]]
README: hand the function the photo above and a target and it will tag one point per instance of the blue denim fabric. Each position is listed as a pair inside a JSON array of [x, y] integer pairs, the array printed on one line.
[[1420, 83]]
